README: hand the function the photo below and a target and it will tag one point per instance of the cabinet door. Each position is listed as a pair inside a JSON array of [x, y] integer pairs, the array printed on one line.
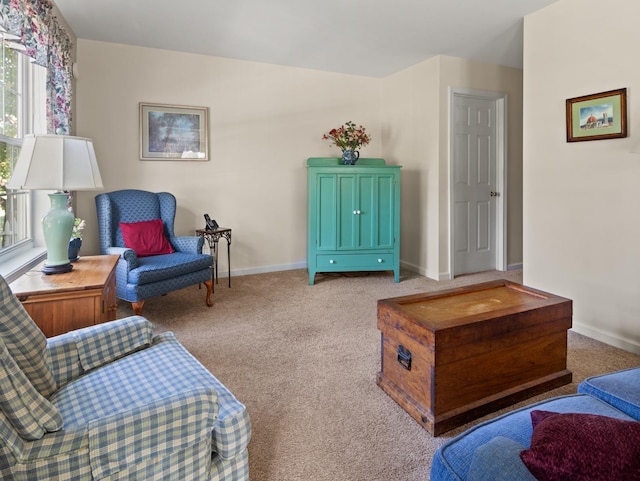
[[347, 213], [325, 212], [62, 312], [354, 211], [383, 222], [375, 208], [366, 209]]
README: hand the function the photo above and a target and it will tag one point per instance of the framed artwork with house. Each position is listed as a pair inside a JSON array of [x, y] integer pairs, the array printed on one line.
[[173, 132], [597, 116]]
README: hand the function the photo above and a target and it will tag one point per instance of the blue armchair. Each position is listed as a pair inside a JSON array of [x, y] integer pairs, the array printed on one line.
[[112, 401], [141, 278]]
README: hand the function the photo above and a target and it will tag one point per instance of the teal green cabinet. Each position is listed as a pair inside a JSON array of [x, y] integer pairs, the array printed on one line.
[[353, 216]]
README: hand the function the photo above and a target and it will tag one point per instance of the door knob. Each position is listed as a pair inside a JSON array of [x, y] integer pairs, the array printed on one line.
[[494, 194]]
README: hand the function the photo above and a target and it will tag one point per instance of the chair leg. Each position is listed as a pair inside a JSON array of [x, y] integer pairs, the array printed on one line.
[[137, 307], [209, 285]]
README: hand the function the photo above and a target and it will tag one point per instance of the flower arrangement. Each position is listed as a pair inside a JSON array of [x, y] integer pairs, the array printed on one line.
[[78, 227], [348, 136]]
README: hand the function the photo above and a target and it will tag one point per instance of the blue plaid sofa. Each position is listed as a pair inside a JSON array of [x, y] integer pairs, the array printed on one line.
[[112, 402], [491, 450]]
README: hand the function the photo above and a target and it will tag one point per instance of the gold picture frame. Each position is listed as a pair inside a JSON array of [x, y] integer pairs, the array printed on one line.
[[597, 116], [173, 132]]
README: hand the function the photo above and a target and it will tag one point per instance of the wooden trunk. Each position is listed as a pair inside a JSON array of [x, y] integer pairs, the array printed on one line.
[[451, 356]]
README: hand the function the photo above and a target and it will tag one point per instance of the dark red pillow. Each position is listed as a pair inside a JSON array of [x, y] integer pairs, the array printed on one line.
[[571, 446], [146, 238]]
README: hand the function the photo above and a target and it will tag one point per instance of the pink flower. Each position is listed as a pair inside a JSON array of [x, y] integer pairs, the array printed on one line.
[[348, 136]]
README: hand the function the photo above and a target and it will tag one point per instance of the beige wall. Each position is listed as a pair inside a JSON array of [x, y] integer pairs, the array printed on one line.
[[582, 227], [409, 137], [264, 122], [416, 135]]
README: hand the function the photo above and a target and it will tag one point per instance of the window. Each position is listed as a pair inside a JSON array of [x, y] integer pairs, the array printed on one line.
[[13, 204], [19, 88]]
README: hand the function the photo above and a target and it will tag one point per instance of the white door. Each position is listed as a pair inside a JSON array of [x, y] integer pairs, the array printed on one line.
[[475, 197]]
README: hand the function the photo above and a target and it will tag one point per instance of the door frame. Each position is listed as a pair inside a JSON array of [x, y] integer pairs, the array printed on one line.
[[500, 100]]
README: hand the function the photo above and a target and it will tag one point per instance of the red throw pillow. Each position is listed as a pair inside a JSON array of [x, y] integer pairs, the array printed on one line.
[[146, 238], [571, 446]]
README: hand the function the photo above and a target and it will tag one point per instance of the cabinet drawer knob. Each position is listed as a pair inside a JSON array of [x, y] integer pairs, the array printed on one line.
[[380, 261], [331, 261]]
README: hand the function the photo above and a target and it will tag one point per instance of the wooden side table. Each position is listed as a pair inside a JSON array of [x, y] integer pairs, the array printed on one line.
[[212, 237], [60, 303]]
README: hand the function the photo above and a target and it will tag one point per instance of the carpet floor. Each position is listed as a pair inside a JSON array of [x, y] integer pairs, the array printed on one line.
[[303, 359]]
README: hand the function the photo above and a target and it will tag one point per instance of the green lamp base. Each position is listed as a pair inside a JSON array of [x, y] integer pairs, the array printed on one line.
[[57, 225]]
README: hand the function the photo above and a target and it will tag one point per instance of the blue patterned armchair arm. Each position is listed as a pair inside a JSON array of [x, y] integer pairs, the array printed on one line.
[[129, 255], [76, 352], [188, 244]]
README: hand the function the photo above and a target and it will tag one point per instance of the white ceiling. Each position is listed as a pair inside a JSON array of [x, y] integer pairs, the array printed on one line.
[[363, 37]]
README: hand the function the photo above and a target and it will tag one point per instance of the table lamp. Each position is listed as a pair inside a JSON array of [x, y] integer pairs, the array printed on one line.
[[61, 163]]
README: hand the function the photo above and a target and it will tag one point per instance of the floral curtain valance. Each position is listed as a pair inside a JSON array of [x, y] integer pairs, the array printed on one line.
[[48, 44]]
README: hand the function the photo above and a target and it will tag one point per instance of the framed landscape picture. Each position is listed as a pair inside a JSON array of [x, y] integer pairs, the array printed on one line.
[[173, 132], [597, 116]]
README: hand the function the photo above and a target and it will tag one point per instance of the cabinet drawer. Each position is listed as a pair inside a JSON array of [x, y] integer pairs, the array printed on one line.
[[338, 261]]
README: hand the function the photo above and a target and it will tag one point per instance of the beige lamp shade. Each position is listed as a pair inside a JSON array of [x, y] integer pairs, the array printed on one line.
[[60, 163], [56, 162]]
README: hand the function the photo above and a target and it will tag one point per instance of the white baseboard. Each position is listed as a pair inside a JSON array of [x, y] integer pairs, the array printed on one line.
[[443, 276], [298, 265], [263, 269], [607, 337], [420, 270]]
